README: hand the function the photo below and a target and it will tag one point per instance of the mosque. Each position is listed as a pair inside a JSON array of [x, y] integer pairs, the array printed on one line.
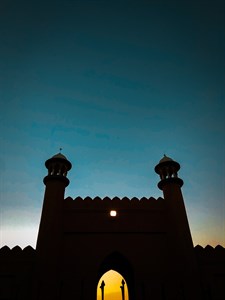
[[148, 241]]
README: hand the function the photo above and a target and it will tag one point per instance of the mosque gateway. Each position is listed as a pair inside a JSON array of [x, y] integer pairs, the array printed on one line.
[[113, 249]]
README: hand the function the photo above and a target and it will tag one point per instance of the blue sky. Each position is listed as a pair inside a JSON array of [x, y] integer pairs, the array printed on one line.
[[116, 84]]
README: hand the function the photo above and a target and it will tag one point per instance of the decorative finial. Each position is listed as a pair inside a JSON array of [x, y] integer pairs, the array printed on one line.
[[60, 149]]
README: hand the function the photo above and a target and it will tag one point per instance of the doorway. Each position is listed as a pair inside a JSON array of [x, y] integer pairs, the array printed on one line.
[[112, 286]]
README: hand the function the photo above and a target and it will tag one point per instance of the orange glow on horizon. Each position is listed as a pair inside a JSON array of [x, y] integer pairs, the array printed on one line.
[[112, 290]]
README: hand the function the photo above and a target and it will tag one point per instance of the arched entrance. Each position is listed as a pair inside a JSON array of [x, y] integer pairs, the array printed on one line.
[[117, 269], [112, 286]]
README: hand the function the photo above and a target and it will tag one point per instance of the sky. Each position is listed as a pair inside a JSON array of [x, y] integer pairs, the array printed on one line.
[[115, 84]]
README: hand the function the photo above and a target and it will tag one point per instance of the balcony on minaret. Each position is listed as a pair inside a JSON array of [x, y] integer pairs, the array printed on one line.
[[57, 166], [168, 169]]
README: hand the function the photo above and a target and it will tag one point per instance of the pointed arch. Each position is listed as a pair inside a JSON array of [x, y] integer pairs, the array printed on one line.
[[118, 262], [112, 286]]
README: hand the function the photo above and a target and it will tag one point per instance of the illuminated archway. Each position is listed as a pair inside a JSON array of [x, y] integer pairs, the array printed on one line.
[[112, 286], [117, 262]]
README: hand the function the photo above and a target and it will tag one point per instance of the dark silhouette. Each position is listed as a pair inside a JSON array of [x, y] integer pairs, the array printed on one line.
[[148, 242], [102, 288], [122, 289]]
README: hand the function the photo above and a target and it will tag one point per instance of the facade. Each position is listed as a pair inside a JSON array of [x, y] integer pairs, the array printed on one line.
[[148, 242]]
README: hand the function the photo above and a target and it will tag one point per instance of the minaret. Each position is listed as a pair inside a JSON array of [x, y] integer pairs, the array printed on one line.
[[178, 227], [49, 243], [56, 182], [171, 185], [180, 251]]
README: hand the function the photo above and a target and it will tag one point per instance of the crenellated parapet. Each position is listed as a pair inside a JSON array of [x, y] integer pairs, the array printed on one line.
[[211, 263], [115, 202], [16, 267], [16, 272], [210, 255], [17, 253]]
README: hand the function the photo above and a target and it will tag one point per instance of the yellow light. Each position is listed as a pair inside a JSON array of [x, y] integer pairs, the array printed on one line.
[[113, 213], [112, 288]]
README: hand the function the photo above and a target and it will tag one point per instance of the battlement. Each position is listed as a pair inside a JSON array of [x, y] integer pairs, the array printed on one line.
[[15, 265], [17, 252], [115, 202], [210, 254]]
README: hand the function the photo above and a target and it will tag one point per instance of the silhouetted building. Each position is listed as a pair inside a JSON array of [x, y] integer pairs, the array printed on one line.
[[147, 241]]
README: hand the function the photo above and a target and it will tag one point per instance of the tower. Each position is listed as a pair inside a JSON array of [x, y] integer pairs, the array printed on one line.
[[56, 182], [51, 226], [171, 185], [181, 257]]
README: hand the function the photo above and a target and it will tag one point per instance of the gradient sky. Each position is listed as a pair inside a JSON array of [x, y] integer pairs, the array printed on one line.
[[116, 84]]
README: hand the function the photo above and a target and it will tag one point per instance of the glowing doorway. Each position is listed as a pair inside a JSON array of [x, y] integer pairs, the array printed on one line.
[[112, 286]]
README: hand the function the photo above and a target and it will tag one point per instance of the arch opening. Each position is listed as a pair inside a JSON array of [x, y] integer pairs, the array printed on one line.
[[118, 262], [112, 286]]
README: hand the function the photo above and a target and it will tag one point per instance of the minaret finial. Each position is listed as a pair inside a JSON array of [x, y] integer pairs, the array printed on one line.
[[60, 149]]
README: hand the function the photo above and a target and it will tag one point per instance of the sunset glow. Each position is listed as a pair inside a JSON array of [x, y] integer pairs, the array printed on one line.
[[112, 288]]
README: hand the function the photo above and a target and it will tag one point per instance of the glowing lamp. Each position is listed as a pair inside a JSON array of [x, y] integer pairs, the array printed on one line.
[[113, 213]]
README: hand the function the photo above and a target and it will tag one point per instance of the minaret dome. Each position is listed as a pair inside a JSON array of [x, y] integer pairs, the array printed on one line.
[[168, 169]]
